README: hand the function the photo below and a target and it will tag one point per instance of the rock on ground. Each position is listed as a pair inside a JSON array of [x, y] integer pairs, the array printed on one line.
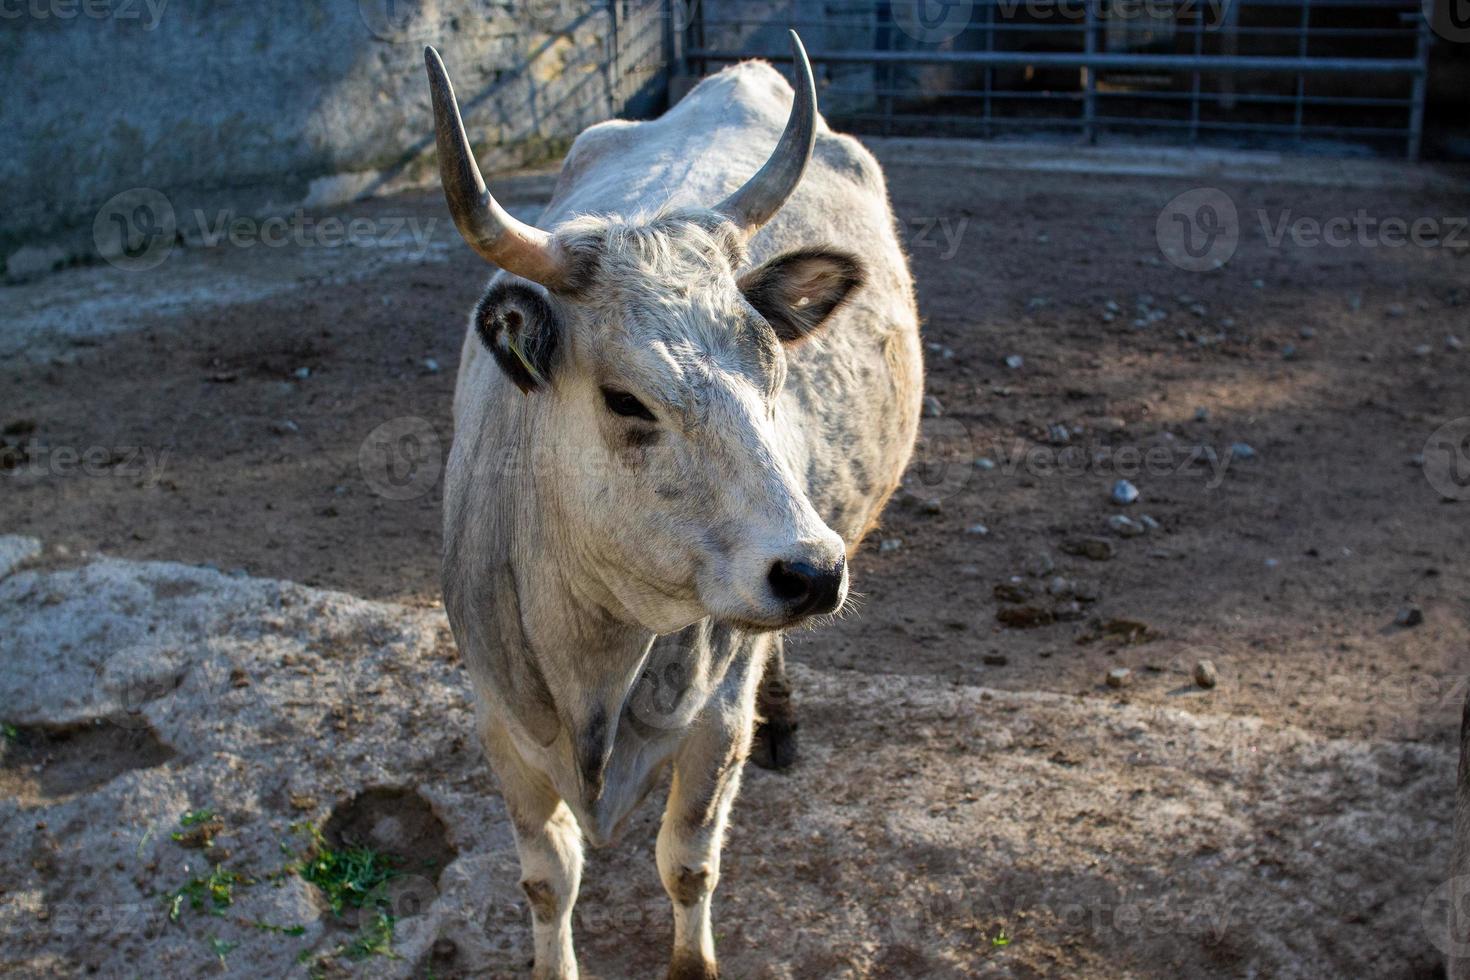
[[15, 549], [931, 829]]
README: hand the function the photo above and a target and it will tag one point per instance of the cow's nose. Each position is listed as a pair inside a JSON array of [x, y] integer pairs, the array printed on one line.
[[805, 588]]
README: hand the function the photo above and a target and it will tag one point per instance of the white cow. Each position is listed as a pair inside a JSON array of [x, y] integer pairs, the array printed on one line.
[[677, 412]]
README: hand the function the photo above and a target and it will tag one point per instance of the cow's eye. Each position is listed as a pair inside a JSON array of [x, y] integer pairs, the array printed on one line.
[[624, 404]]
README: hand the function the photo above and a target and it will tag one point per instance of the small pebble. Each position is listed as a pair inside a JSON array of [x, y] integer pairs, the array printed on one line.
[[1118, 676], [1241, 450], [1124, 492], [1409, 616], [933, 506], [1453, 343], [1015, 362], [1201, 414], [431, 365], [303, 373], [1125, 527], [933, 407], [890, 544], [1057, 434], [985, 463], [1288, 353], [1094, 549], [285, 427], [1423, 350], [1258, 284], [979, 530], [1040, 565], [1273, 562], [1205, 675], [1149, 523], [1307, 333]]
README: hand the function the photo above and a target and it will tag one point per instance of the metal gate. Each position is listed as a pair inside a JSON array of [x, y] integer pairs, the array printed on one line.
[[1339, 76]]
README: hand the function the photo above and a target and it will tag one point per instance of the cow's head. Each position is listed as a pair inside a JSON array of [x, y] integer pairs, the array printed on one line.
[[652, 358]]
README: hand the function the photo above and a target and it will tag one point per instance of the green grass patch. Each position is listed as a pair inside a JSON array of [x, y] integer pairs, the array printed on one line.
[[353, 878], [214, 892], [348, 877]]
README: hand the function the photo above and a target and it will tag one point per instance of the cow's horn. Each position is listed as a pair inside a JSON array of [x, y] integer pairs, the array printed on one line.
[[513, 245], [762, 196]]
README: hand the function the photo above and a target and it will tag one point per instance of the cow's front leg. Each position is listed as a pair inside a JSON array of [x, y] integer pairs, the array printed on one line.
[[550, 847], [706, 779]]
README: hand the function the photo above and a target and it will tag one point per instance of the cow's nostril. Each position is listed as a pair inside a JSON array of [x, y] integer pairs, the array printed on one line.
[[805, 588], [791, 581]]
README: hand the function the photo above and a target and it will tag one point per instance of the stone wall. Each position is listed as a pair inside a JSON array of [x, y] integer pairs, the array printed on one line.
[[256, 108]]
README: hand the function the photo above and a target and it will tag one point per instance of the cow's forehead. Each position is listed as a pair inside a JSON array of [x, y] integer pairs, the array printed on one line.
[[666, 312], [692, 357]]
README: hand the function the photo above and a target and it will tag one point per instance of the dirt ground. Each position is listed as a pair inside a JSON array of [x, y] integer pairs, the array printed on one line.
[[1285, 566]]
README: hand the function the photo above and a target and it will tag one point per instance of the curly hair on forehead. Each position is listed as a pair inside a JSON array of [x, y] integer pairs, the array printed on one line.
[[664, 247]]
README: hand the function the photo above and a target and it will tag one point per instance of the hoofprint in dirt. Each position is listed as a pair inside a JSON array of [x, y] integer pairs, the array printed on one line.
[[935, 829]]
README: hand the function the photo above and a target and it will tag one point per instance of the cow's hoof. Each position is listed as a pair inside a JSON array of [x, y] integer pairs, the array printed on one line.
[[774, 745], [692, 966]]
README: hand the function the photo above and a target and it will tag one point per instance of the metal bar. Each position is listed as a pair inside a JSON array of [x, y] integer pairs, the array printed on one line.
[[1089, 46], [1078, 24], [1301, 79], [1342, 101], [1194, 87], [1421, 81], [1066, 59], [989, 71], [1138, 121], [1073, 7]]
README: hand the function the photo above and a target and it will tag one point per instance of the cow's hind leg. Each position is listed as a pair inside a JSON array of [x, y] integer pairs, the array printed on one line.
[[550, 847], [706, 781], [774, 746]]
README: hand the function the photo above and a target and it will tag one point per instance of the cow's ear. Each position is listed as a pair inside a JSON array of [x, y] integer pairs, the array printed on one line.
[[798, 291], [521, 329]]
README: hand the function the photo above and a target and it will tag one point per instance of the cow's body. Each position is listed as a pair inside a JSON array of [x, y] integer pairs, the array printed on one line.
[[584, 700]]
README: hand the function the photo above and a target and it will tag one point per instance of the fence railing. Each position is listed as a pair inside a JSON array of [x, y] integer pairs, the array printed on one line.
[[1344, 74]]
